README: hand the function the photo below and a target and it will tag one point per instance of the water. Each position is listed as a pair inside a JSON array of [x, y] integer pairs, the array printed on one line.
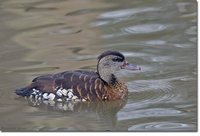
[[46, 36]]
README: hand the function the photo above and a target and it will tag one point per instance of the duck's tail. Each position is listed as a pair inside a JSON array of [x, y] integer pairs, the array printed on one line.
[[26, 91]]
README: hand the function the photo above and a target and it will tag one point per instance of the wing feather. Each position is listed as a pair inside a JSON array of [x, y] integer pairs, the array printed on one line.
[[85, 84]]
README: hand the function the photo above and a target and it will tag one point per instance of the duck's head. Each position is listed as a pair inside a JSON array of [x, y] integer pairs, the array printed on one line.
[[109, 62]]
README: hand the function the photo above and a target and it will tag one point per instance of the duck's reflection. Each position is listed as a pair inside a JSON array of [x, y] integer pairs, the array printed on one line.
[[104, 112], [75, 106]]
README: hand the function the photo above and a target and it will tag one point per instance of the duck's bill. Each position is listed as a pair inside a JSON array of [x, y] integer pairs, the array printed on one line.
[[130, 67]]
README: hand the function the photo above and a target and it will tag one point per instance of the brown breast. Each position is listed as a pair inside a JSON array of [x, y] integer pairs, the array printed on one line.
[[118, 91]]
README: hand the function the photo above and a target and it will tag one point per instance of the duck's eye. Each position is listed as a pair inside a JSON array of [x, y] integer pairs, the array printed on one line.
[[117, 59]]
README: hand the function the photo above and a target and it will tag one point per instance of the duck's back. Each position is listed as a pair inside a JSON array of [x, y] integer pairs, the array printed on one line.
[[68, 85]]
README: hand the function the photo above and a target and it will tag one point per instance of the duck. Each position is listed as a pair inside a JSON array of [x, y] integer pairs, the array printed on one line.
[[83, 85]]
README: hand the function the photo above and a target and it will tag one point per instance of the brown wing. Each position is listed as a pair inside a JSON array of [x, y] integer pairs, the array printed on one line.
[[85, 84], [45, 83]]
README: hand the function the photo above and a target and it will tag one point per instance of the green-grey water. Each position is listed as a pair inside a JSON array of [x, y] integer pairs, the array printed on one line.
[[47, 36]]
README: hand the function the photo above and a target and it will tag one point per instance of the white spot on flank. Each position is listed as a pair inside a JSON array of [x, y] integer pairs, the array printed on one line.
[[34, 93], [35, 90], [51, 96], [70, 95], [59, 92], [64, 92], [40, 94], [74, 97], [45, 96]]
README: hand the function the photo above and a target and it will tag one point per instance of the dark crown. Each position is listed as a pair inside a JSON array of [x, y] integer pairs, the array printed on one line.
[[115, 53]]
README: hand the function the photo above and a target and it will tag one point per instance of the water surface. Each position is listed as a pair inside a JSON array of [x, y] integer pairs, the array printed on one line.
[[46, 36]]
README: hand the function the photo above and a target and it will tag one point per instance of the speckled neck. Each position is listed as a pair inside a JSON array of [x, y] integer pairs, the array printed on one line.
[[106, 74]]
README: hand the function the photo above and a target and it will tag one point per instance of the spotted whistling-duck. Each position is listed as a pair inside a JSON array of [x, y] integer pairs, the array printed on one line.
[[82, 85]]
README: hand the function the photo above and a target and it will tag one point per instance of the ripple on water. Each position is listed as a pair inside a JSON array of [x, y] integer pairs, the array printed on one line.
[[144, 85], [156, 42], [148, 57], [148, 92], [111, 17], [161, 59], [183, 6], [193, 39], [32, 69], [39, 9], [147, 113], [182, 45], [99, 23], [135, 54], [83, 57], [145, 28], [191, 30], [137, 29], [125, 13], [163, 126], [80, 12], [65, 30]]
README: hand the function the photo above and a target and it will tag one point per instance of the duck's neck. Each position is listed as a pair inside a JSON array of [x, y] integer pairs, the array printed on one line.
[[107, 75]]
